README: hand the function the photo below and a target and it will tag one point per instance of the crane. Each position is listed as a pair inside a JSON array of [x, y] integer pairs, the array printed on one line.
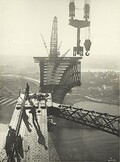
[[54, 39], [78, 24], [54, 50]]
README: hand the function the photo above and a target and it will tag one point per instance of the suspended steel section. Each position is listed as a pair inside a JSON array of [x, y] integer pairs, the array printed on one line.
[[101, 121]]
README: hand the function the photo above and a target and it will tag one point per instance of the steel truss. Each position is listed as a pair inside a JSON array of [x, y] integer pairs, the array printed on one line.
[[101, 121], [59, 75]]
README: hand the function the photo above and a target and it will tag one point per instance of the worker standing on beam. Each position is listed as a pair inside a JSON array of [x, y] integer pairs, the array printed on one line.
[[25, 119], [14, 146], [33, 111], [34, 115], [10, 140]]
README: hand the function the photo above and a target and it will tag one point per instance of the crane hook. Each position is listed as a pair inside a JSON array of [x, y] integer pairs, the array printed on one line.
[[87, 53]]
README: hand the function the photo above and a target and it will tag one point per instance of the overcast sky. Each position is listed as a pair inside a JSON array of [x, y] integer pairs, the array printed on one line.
[[22, 22]]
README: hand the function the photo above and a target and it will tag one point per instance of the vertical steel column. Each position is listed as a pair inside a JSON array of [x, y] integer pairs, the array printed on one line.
[[78, 38], [79, 73], [41, 64]]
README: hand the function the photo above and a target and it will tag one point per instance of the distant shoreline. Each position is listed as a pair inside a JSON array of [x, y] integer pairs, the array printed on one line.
[[100, 101], [73, 100], [99, 70]]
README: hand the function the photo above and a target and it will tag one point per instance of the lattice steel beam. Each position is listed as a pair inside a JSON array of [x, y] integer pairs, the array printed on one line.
[[101, 121]]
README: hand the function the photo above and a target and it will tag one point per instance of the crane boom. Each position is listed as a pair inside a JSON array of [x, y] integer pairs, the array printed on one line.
[[63, 55], [45, 44]]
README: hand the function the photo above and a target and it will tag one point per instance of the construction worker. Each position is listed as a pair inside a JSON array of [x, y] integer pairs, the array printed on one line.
[[25, 119], [10, 141], [12, 133], [34, 115]]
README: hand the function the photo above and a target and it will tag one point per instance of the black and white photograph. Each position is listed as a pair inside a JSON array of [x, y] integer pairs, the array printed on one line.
[[59, 80]]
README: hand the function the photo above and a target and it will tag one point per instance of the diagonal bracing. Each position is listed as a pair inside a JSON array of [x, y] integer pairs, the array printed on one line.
[[101, 121]]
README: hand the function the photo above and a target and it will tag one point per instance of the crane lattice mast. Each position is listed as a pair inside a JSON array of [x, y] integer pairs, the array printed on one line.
[[54, 39]]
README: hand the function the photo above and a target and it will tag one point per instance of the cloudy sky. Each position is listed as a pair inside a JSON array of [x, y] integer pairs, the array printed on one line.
[[22, 22]]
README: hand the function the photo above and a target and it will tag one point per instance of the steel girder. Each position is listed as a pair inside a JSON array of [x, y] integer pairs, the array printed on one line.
[[101, 121]]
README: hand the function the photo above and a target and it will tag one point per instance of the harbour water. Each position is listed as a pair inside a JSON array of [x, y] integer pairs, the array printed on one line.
[[98, 107]]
